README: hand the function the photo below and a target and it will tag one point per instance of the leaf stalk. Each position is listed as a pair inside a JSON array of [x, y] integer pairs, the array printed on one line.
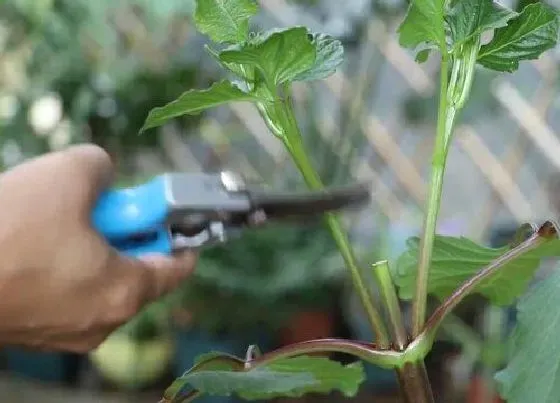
[[389, 295], [286, 121], [533, 242]]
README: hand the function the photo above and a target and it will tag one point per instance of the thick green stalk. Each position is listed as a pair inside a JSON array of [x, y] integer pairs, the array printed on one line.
[[293, 142], [432, 206], [452, 98]]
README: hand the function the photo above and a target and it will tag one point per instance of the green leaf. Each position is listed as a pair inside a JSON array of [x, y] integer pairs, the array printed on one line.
[[280, 55], [238, 70], [212, 361], [284, 377], [526, 37], [330, 55], [533, 370], [193, 102], [225, 21], [469, 18], [455, 260], [424, 24]]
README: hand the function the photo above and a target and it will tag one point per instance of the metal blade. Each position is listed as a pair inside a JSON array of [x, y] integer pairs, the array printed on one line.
[[309, 204]]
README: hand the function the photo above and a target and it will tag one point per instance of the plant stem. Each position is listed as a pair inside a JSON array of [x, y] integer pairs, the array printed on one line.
[[412, 377], [385, 282], [452, 97], [543, 235], [367, 352], [432, 205], [343, 243], [414, 382], [293, 142]]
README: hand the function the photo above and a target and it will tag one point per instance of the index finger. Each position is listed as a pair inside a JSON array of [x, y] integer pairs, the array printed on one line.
[[93, 164], [158, 274]]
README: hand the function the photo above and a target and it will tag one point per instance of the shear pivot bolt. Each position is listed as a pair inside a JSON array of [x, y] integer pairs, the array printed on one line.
[[232, 181]]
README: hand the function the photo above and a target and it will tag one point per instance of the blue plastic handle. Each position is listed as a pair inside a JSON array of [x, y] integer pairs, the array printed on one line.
[[132, 220]]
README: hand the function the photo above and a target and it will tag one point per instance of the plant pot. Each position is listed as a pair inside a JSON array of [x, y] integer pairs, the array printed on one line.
[[46, 367], [128, 363], [478, 392], [308, 325]]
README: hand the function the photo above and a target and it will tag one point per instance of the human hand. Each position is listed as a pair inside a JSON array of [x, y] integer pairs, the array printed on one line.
[[62, 287]]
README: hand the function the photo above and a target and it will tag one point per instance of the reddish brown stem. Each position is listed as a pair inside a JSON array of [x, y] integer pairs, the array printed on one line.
[[544, 233], [414, 383]]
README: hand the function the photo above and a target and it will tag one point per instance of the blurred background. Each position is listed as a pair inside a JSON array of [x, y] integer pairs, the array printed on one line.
[[79, 70]]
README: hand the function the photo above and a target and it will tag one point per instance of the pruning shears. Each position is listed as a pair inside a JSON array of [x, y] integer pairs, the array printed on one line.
[[177, 211]]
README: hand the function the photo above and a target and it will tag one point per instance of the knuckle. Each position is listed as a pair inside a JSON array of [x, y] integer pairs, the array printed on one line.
[[125, 303], [124, 290], [89, 153]]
